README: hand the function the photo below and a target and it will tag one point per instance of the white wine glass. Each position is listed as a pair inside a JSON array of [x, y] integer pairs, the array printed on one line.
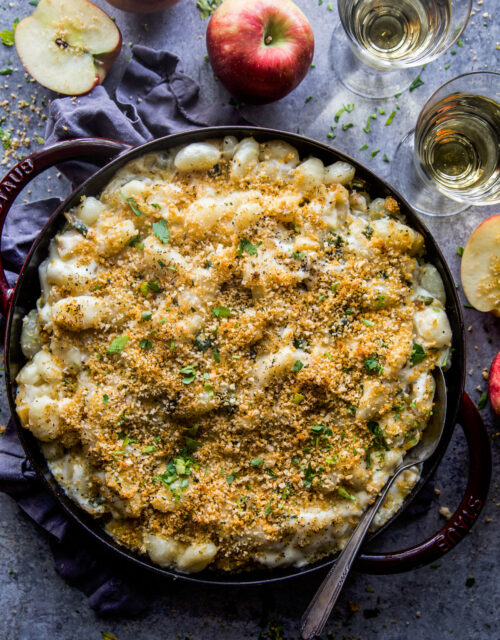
[[378, 42], [451, 160]]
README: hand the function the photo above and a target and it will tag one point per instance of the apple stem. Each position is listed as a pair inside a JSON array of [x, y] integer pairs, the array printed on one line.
[[268, 39]]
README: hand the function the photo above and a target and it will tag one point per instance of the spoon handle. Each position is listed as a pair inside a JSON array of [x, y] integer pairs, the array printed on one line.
[[320, 607]]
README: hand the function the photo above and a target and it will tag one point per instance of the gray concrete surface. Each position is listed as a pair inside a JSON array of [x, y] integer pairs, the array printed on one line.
[[432, 602]]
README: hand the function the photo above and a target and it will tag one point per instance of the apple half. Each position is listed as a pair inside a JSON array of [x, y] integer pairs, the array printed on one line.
[[68, 45], [480, 268]]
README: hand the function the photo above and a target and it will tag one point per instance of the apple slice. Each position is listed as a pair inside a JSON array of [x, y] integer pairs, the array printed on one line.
[[68, 45], [494, 384], [481, 266]]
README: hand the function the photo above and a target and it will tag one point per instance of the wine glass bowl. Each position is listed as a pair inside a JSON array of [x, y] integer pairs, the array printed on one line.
[[452, 158], [378, 42]]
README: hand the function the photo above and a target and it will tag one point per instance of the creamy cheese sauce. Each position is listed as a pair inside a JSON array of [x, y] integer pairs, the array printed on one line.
[[231, 354]]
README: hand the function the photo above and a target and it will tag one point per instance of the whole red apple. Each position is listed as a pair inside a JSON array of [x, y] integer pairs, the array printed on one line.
[[142, 6], [260, 50], [494, 384]]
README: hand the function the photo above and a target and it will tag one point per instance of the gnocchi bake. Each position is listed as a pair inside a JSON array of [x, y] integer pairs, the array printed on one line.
[[231, 353]]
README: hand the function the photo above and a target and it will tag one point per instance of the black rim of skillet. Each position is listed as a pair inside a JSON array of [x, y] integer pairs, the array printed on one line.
[[27, 291]]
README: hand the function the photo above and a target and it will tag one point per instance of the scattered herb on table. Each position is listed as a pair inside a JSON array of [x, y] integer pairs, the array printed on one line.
[[345, 127], [372, 116], [207, 7], [482, 400], [374, 153], [418, 82], [390, 118], [460, 251]]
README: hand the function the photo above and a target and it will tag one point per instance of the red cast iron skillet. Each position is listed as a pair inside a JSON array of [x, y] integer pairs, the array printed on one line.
[[15, 303]]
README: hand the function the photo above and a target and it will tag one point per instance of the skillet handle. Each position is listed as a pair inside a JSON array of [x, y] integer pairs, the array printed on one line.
[[464, 517], [18, 177]]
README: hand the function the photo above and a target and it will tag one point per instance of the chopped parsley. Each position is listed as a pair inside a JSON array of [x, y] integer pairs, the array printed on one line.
[[118, 344], [298, 365], [460, 251], [189, 372], [146, 315], [380, 300], [221, 312], [257, 462], [372, 365], [345, 494], [374, 153], [297, 398], [105, 398], [417, 354], [298, 255], [6, 71], [149, 449], [309, 475], [146, 344], [347, 126], [379, 439], [246, 246], [133, 205], [368, 323], [161, 232]]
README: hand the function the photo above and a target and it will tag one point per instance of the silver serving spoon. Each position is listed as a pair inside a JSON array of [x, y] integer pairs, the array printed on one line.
[[318, 612]]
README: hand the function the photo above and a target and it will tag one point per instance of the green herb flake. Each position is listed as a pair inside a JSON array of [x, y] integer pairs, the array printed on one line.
[[368, 323], [221, 312], [345, 494], [482, 400], [308, 99], [460, 251], [133, 205], [161, 232], [216, 355], [105, 398], [105, 634], [447, 66], [345, 127], [207, 7], [351, 409], [5, 138], [154, 286], [267, 510], [146, 344], [257, 462], [385, 158], [374, 153], [338, 114], [146, 315], [418, 82], [372, 365], [149, 449], [189, 372], [365, 146], [417, 354], [297, 398], [389, 120], [366, 128], [246, 246], [298, 365], [6, 71], [118, 344]]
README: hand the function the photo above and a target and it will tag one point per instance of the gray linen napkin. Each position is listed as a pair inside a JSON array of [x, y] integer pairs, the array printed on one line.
[[154, 98]]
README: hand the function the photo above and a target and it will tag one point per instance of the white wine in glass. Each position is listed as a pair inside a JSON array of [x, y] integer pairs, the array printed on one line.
[[379, 41], [452, 158]]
